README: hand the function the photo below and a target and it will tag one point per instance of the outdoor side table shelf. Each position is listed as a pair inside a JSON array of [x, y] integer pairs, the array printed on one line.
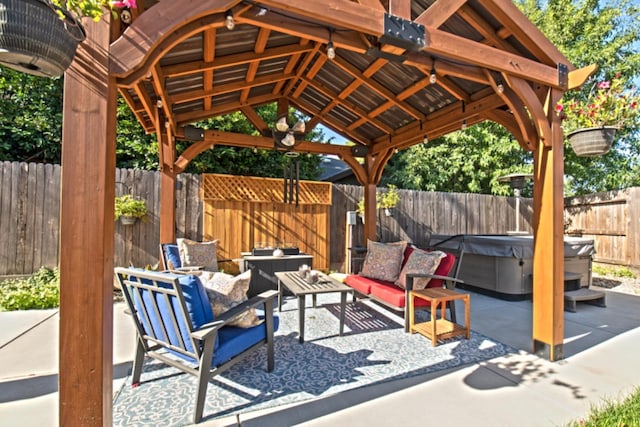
[[439, 328]]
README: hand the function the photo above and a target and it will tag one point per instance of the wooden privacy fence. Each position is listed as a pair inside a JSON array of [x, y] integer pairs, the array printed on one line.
[[245, 212], [30, 206], [30, 216], [612, 220]]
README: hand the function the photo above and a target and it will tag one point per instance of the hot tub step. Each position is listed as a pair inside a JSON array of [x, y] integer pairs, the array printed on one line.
[[589, 296]]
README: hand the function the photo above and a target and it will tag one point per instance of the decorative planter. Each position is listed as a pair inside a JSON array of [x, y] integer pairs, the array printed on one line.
[[592, 141], [33, 38], [128, 220]]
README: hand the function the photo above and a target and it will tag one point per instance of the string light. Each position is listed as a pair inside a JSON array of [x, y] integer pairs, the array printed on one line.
[[500, 86], [396, 151], [433, 78], [464, 124], [425, 139], [229, 22], [331, 51]]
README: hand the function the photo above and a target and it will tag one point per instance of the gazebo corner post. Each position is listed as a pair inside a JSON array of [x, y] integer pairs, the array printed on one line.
[[167, 206], [370, 223], [169, 171], [86, 233], [548, 256]]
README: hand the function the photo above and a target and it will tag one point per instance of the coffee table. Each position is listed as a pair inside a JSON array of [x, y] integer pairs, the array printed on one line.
[[300, 288], [439, 328]]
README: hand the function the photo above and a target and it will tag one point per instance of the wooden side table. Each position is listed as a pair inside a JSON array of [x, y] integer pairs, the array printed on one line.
[[439, 328]]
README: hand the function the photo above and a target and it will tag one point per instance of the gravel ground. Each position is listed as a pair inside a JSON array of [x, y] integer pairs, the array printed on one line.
[[618, 284]]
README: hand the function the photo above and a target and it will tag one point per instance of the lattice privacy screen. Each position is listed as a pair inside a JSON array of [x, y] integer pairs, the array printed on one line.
[[252, 189]]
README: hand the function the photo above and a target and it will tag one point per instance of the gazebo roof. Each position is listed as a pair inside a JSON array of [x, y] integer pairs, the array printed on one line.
[[378, 92]]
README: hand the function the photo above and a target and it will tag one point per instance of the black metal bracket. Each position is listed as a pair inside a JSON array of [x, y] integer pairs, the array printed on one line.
[[403, 33], [563, 75], [359, 150], [192, 133]]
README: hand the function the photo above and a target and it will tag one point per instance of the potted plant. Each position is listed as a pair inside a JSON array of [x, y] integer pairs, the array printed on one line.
[[128, 209], [592, 121], [40, 37], [389, 199]]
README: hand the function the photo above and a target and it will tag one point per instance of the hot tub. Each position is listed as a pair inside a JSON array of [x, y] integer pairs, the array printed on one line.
[[502, 265]]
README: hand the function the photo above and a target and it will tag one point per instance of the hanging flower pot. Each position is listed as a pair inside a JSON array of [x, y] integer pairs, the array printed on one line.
[[128, 220], [35, 40], [596, 141]]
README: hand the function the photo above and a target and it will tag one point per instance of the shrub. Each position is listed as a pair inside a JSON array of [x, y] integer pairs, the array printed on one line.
[[40, 291]]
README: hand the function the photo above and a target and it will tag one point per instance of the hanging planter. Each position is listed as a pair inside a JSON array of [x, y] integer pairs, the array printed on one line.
[[589, 142], [35, 40], [128, 220]]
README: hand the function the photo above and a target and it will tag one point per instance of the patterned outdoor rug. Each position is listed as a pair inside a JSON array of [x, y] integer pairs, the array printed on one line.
[[374, 349]]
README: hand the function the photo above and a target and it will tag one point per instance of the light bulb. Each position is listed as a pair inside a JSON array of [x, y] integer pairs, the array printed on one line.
[[331, 52], [282, 125], [396, 151], [425, 139], [464, 125], [299, 127], [288, 140], [500, 87], [432, 77], [229, 22]]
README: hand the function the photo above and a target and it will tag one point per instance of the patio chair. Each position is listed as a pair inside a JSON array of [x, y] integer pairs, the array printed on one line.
[[175, 325]]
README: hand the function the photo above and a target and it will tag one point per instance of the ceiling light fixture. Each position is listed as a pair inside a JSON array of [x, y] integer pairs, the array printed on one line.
[[285, 136], [229, 22]]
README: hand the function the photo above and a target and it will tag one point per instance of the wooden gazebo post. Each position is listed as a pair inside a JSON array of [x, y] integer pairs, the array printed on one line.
[[548, 251], [86, 234]]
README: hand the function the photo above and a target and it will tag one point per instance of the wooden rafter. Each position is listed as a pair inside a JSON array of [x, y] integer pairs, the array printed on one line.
[[209, 53], [401, 8], [460, 49], [439, 12], [220, 110], [187, 68], [491, 37], [527, 33], [255, 120]]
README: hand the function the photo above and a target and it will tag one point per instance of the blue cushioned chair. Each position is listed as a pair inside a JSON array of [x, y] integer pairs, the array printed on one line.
[[175, 325]]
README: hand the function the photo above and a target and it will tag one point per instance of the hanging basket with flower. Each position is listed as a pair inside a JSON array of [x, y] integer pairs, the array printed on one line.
[[40, 37], [591, 123]]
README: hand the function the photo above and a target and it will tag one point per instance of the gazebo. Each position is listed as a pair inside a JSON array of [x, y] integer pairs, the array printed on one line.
[[384, 74]]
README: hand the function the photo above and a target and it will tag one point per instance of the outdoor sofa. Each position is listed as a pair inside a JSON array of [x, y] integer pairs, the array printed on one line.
[[395, 293]]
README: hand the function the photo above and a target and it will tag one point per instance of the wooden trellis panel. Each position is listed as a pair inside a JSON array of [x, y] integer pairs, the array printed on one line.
[[245, 212]]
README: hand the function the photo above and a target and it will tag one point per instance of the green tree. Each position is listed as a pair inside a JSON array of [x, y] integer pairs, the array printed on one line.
[[467, 161], [30, 117]]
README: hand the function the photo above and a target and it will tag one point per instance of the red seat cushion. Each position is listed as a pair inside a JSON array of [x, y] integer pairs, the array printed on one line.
[[391, 294]]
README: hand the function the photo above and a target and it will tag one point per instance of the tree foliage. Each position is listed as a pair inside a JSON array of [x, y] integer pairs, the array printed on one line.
[[586, 32], [30, 117]]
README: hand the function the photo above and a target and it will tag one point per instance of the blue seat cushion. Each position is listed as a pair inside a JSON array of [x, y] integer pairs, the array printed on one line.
[[172, 253], [234, 340]]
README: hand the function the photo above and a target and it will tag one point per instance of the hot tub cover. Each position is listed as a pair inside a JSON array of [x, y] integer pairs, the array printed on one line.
[[507, 246]]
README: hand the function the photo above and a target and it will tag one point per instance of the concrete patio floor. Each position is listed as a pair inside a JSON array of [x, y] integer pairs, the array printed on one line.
[[601, 351]]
